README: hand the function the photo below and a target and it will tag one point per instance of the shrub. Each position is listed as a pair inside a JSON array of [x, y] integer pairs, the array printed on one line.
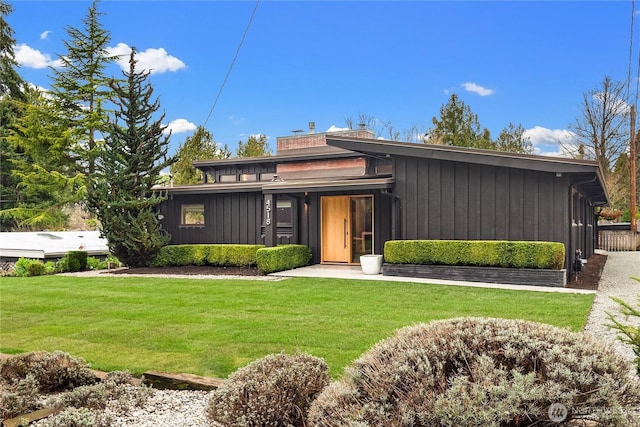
[[481, 372], [283, 257], [628, 333], [21, 398], [222, 255], [72, 417], [55, 371], [94, 263], [273, 391], [29, 267], [487, 253], [233, 255]]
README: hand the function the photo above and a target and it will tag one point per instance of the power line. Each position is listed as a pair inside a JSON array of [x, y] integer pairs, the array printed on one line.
[[630, 48], [226, 77]]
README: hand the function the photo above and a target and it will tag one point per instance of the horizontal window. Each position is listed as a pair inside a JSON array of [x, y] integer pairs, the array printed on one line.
[[192, 215], [245, 177], [227, 178]]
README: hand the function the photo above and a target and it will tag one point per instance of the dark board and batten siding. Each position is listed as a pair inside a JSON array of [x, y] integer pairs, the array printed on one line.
[[229, 218], [451, 200]]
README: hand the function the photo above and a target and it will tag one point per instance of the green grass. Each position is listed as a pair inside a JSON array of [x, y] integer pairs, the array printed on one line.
[[213, 327]]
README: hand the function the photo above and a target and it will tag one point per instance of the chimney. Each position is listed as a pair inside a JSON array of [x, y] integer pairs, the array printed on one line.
[[312, 127]]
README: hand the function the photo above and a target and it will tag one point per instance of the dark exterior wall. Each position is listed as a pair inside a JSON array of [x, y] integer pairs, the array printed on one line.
[[229, 218], [447, 200]]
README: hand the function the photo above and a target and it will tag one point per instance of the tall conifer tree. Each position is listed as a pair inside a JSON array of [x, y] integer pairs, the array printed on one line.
[[131, 160], [11, 92], [81, 87]]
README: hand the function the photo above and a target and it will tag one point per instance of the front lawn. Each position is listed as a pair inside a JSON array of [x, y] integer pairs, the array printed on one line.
[[213, 327]]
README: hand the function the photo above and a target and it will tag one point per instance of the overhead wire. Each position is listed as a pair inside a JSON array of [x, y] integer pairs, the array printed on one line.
[[630, 49], [233, 61]]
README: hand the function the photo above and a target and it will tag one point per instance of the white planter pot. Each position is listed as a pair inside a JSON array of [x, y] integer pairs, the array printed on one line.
[[371, 264]]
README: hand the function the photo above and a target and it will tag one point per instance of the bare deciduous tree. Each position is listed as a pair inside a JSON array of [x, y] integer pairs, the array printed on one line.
[[602, 131]]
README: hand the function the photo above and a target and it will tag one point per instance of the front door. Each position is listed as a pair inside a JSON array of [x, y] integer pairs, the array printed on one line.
[[347, 228]]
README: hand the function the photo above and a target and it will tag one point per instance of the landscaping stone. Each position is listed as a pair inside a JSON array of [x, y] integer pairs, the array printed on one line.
[[515, 276], [169, 381]]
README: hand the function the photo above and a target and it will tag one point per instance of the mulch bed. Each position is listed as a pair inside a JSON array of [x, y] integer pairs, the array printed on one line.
[[589, 277], [192, 270]]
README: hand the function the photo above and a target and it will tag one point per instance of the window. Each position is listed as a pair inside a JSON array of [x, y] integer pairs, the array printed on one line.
[[245, 177], [192, 215], [227, 178]]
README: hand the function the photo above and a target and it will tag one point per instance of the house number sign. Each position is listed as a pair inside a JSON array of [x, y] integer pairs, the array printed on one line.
[[267, 212]]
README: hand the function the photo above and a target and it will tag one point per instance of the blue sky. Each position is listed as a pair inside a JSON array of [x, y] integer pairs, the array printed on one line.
[[325, 61]]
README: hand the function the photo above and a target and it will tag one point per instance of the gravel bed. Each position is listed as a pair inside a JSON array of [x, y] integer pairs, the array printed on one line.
[[616, 281]]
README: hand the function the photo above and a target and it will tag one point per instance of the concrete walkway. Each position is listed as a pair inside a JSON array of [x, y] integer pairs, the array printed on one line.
[[355, 272]]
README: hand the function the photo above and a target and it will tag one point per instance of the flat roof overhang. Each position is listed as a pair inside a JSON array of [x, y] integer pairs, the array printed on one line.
[[278, 187], [292, 155], [358, 184]]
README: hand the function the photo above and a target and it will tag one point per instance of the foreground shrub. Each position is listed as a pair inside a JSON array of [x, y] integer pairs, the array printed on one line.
[[29, 267], [628, 333], [285, 257], [73, 261], [19, 398], [273, 391], [55, 371], [222, 255], [486, 253], [481, 372], [233, 255]]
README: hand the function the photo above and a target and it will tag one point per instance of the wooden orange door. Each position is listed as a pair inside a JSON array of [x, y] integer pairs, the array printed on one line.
[[336, 226]]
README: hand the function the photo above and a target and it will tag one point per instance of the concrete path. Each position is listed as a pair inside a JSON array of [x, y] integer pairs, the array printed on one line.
[[355, 272]]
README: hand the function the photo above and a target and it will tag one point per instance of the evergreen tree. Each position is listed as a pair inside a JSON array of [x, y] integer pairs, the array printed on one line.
[[512, 139], [458, 126], [254, 147], [80, 87], [11, 93], [41, 164], [131, 160], [199, 146]]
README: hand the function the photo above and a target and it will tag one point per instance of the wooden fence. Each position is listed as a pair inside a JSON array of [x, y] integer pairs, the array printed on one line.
[[623, 240]]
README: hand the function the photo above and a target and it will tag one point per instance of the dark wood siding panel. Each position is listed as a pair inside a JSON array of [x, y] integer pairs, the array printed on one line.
[[314, 230], [475, 182], [434, 199], [516, 205], [422, 207], [545, 207], [447, 202], [530, 206], [488, 208], [460, 197], [412, 211], [501, 206]]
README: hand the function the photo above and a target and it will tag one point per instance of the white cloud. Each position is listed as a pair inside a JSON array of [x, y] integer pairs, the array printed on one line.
[[179, 125], [333, 128], [33, 58], [550, 142], [153, 60], [472, 87], [45, 35]]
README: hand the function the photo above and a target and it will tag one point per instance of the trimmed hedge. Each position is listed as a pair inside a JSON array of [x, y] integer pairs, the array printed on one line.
[[222, 255], [484, 253], [283, 257]]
